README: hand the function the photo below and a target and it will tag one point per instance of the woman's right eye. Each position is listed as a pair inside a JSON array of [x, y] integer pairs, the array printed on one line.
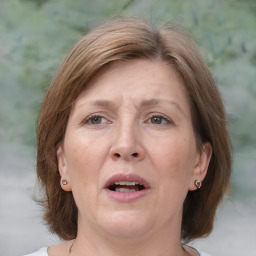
[[95, 120]]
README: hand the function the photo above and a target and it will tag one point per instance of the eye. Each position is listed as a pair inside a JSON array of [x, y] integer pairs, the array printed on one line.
[[159, 120], [95, 119], [156, 119]]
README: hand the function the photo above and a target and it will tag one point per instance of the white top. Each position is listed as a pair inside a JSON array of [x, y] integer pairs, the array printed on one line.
[[43, 252]]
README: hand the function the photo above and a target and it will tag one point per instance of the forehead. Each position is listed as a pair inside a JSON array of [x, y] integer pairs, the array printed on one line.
[[137, 79]]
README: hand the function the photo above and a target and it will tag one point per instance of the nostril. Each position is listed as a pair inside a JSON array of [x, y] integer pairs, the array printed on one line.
[[118, 155]]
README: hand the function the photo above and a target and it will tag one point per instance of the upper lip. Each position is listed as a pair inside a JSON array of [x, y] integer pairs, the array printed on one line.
[[132, 177]]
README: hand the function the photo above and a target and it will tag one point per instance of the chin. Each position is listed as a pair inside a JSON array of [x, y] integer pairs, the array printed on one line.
[[127, 224]]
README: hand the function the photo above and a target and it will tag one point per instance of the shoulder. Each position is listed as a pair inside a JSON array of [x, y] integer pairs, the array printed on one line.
[[192, 250], [41, 252], [203, 253], [58, 249]]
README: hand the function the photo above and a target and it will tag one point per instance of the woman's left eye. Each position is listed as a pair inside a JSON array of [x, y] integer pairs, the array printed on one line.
[[159, 120]]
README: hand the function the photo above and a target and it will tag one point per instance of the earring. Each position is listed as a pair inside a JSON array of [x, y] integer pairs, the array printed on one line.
[[64, 182], [198, 184]]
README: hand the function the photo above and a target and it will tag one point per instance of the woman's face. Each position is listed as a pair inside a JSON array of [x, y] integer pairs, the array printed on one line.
[[129, 151]]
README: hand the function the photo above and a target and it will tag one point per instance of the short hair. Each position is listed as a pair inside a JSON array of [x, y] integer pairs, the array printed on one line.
[[124, 39]]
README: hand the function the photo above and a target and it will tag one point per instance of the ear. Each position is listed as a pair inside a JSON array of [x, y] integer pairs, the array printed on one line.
[[63, 170], [201, 165]]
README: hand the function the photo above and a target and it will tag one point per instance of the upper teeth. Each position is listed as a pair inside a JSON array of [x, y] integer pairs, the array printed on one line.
[[127, 183]]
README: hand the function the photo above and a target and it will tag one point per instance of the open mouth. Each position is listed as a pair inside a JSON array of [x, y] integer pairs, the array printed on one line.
[[126, 186]]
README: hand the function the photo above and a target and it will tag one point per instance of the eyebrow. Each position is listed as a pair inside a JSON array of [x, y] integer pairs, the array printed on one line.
[[154, 102], [100, 103], [144, 103], [103, 103]]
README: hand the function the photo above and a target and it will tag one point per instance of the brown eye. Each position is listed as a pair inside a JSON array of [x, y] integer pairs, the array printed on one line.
[[156, 119], [96, 120], [159, 120]]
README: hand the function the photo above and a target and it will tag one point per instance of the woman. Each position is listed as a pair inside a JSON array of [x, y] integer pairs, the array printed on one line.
[[133, 148]]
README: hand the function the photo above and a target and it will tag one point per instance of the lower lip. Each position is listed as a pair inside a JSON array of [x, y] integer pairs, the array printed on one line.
[[126, 197]]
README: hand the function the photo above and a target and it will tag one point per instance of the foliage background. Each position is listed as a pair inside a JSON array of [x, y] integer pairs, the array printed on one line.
[[35, 36]]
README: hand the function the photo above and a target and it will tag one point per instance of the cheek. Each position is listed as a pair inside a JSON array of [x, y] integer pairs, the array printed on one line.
[[84, 159], [175, 158]]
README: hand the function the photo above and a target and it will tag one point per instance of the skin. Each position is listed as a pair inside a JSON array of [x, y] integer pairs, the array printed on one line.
[[141, 125]]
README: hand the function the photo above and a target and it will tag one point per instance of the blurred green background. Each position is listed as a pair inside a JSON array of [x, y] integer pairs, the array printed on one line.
[[35, 36]]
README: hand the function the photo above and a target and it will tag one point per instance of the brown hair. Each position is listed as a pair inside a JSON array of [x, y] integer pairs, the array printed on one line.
[[124, 39]]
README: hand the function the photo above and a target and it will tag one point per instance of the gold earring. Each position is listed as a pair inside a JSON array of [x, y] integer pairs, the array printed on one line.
[[198, 184], [64, 182]]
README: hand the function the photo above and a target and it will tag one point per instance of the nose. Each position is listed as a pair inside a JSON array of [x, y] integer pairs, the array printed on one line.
[[127, 144]]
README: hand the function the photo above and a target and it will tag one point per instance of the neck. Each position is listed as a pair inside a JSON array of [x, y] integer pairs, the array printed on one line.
[[164, 243]]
